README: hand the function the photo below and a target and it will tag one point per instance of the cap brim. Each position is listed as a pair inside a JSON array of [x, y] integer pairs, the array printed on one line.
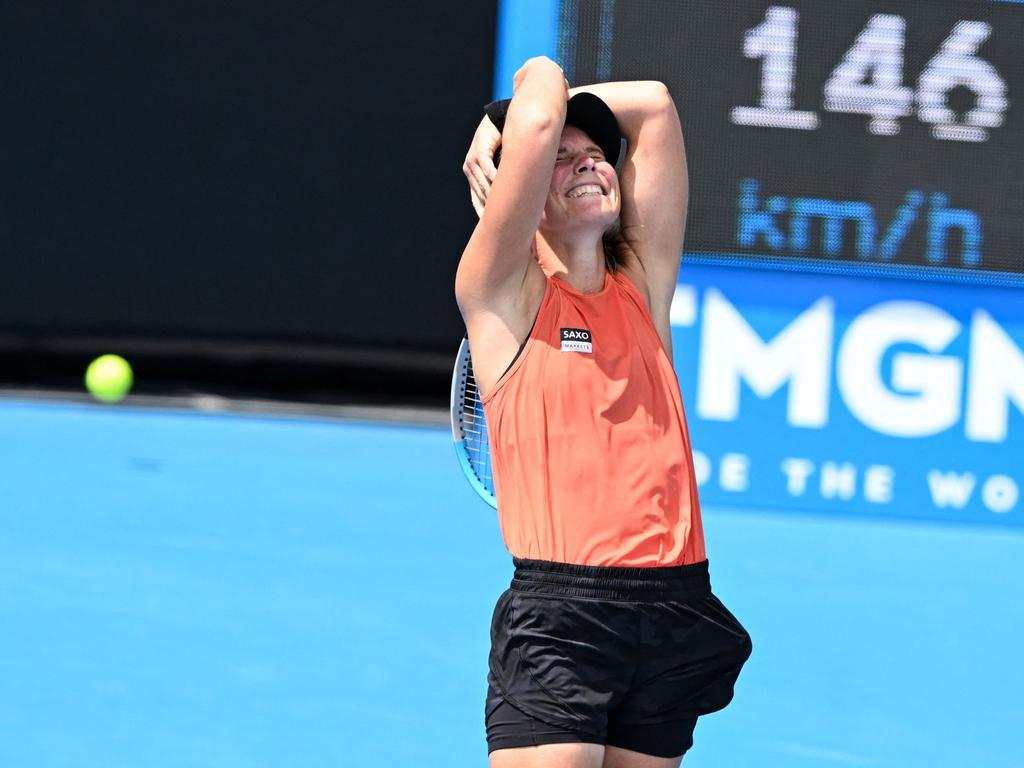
[[591, 115]]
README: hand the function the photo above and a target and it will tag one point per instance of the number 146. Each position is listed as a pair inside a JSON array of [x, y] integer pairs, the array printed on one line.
[[869, 79]]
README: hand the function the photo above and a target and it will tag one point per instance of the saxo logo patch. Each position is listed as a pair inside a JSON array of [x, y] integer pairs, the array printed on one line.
[[577, 340]]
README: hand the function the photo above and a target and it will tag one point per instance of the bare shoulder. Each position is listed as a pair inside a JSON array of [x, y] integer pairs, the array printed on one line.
[[499, 327]]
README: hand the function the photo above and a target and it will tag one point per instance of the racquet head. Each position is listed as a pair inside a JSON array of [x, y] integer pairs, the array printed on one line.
[[469, 427]]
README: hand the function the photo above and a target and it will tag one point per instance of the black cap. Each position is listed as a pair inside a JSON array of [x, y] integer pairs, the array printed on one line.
[[591, 115], [587, 112]]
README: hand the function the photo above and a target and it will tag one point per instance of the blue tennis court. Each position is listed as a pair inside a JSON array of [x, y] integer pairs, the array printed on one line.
[[189, 589]]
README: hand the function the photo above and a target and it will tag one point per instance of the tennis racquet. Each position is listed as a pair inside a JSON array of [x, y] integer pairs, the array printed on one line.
[[469, 427]]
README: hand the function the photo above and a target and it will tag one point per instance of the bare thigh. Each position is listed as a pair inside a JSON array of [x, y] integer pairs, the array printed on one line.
[[577, 756], [615, 757], [550, 756]]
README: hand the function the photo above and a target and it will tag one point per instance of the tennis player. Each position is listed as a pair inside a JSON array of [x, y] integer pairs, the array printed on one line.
[[609, 644]]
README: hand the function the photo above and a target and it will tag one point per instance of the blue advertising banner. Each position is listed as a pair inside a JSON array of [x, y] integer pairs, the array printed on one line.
[[853, 394]]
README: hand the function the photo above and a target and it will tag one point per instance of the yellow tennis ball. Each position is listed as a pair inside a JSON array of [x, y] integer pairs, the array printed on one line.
[[109, 378]]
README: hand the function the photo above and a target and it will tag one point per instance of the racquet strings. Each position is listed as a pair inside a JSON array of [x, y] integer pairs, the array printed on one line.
[[474, 429]]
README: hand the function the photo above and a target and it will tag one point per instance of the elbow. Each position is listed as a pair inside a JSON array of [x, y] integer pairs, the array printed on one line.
[[659, 97], [659, 104]]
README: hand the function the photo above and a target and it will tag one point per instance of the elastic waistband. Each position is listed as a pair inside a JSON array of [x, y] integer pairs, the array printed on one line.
[[673, 583]]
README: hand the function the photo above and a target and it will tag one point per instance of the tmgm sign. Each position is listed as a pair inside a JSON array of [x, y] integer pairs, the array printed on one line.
[[853, 395]]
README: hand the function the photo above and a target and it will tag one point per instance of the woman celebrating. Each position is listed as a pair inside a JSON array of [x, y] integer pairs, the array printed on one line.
[[609, 643]]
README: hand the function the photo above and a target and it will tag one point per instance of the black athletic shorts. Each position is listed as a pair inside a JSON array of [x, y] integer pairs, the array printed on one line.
[[627, 657]]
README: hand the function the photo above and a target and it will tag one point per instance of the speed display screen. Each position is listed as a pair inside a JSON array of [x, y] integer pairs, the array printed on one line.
[[845, 134]]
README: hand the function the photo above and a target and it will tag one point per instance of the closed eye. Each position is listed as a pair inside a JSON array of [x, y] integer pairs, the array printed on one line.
[[598, 156]]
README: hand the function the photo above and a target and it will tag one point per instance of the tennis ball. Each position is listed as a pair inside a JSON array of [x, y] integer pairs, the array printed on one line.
[[108, 378]]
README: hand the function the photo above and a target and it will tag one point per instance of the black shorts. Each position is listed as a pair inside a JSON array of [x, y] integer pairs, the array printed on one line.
[[627, 657]]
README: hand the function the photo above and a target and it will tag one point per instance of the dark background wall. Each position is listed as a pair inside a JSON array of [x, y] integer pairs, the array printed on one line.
[[254, 193]]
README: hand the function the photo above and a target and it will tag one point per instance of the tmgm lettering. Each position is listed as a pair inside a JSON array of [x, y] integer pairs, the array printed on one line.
[[919, 393]]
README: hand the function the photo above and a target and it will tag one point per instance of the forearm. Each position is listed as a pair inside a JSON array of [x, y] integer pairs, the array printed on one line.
[[498, 253], [525, 130], [539, 97], [634, 103]]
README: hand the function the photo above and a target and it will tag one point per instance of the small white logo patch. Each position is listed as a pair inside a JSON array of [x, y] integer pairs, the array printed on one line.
[[577, 340]]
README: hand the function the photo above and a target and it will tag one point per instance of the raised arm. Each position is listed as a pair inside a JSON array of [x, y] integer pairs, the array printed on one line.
[[497, 256], [499, 285], [654, 182]]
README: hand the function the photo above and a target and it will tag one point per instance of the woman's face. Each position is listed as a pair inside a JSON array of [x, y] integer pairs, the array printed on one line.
[[584, 192]]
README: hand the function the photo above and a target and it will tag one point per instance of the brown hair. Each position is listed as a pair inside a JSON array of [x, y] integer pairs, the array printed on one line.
[[613, 245]]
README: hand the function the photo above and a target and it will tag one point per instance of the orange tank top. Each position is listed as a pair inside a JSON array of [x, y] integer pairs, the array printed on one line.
[[589, 446]]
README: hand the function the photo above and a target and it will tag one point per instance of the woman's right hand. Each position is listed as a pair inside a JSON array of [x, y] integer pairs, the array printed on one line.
[[479, 165]]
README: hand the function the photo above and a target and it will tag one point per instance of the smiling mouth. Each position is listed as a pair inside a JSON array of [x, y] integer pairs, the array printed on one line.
[[585, 190]]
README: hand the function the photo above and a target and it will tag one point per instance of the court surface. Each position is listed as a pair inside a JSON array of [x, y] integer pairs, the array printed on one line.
[[186, 589]]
